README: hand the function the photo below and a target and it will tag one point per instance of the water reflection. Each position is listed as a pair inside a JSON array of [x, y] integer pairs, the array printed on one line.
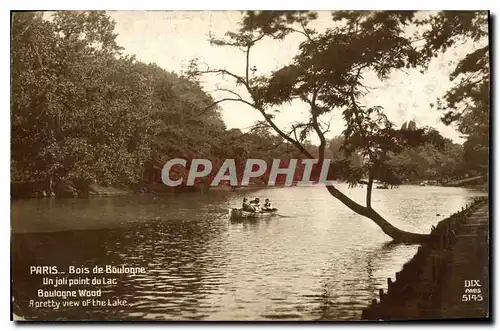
[[319, 262]]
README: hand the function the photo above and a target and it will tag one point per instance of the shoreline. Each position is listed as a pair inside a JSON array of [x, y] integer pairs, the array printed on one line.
[[431, 284], [94, 190]]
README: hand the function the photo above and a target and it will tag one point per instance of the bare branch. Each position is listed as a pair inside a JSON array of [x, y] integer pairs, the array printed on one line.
[[215, 103], [305, 33], [315, 124], [295, 142], [245, 81], [274, 147], [294, 130], [258, 38], [295, 127], [229, 91], [247, 65], [225, 72], [327, 124]]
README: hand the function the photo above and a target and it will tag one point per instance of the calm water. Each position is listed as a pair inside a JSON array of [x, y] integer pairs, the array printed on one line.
[[319, 260]]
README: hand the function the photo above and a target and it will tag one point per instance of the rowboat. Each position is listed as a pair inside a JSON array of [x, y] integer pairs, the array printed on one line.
[[238, 214]]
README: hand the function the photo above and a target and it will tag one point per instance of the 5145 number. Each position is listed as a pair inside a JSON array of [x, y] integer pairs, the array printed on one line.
[[472, 297]]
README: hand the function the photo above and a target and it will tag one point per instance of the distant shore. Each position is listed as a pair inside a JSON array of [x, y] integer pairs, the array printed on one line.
[[68, 189]]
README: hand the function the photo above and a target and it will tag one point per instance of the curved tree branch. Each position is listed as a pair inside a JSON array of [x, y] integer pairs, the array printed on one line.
[[294, 142], [238, 78], [367, 211], [387, 228]]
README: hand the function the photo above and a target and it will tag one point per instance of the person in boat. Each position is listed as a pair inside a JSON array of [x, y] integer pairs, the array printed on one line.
[[255, 203], [247, 206], [268, 206]]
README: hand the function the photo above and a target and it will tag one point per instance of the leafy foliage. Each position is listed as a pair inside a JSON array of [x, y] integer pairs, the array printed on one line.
[[327, 74], [82, 110], [467, 102]]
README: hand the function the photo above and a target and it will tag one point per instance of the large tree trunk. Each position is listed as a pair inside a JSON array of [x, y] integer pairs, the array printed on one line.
[[390, 230]]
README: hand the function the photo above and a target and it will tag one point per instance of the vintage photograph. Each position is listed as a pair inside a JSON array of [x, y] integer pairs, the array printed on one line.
[[250, 165]]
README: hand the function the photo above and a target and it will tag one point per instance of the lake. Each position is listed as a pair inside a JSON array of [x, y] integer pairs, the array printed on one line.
[[317, 260]]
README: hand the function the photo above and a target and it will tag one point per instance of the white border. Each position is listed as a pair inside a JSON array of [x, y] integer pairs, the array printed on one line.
[[193, 5]]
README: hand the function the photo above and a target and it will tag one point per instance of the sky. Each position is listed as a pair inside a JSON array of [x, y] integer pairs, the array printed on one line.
[[172, 38]]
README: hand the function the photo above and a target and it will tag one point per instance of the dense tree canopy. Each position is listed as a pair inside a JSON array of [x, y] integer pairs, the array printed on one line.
[[467, 103], [327, 75], [428, 162], [82, 110]]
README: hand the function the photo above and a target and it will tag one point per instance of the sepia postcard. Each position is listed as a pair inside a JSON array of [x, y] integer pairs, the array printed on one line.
[[250, 165]]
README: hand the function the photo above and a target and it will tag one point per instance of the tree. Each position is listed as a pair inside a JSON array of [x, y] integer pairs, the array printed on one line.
[[84, 112], [428, 162], [467, 103], [345, 166], [327, 75], [57, 71]]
